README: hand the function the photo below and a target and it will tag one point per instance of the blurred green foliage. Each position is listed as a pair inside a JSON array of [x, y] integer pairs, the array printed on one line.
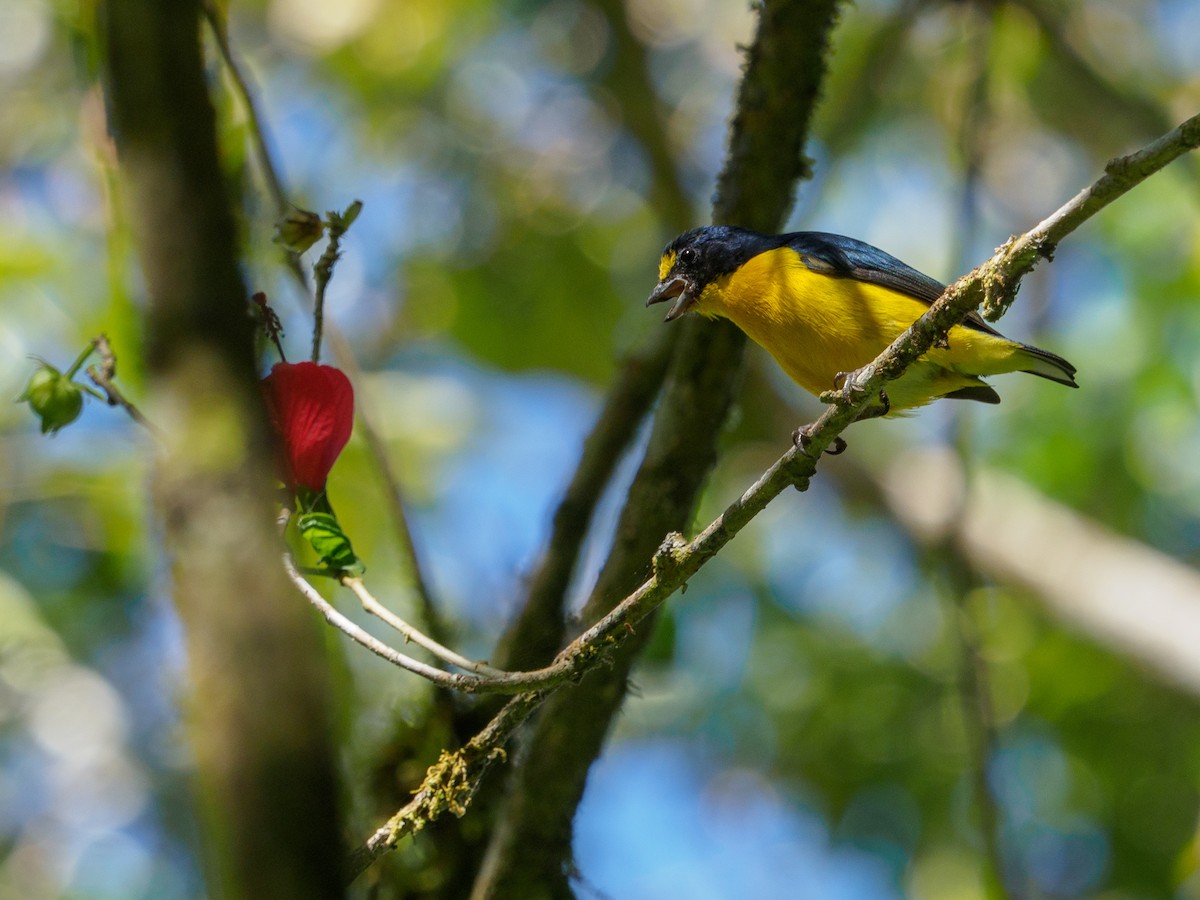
[[489, 288]]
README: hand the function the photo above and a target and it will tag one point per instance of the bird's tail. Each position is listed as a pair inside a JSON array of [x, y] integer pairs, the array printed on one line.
[[1036, 361]]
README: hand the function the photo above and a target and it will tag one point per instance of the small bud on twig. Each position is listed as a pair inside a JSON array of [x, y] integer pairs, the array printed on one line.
[[299, 230], [54, 397]]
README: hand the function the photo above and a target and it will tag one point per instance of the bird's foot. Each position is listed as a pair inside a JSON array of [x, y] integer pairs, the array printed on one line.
[[874, 412], [852, 385], [849, 386], [802, 438]]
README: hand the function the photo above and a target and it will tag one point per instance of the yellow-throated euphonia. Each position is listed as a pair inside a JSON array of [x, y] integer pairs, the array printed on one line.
[[825, 305]]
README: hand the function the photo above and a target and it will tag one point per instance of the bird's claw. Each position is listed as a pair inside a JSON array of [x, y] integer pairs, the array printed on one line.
[[847, 388], [802, 438], [851, 384], [874, 412]]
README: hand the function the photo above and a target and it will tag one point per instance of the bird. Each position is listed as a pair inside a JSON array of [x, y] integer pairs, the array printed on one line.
[[825, 305]]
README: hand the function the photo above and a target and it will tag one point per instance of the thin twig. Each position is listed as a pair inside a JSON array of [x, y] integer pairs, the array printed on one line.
[[377, 609], [323, 272], [393, 494], [336, 225], [376, 646], [102, 376], [266, 163]]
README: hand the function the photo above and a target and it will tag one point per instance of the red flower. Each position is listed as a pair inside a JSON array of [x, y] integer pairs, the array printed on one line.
[[312, 409]]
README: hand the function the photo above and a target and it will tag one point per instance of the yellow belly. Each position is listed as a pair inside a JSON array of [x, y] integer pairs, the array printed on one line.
[[816, 326]]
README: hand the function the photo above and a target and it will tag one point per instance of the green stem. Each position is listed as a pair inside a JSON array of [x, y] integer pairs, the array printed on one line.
[[336, 225], [322, 273], [80, 360]]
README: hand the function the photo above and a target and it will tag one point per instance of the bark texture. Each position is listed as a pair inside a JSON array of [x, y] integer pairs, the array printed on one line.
[[258, 707]]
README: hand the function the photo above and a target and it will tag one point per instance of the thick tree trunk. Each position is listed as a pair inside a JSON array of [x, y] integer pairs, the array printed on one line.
[[258, 705]]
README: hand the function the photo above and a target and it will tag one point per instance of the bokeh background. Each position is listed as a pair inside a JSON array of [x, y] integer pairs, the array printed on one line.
[[809, 718]]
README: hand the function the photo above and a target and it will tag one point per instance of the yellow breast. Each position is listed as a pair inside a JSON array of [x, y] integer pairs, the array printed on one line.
[[817, 325], [814, 325]]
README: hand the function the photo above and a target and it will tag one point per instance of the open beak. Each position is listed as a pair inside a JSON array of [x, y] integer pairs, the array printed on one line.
[[677, 288]]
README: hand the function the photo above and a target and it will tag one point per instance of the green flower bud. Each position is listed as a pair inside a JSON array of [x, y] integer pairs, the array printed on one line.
[[299, 230], [346, 219], [54, 397]]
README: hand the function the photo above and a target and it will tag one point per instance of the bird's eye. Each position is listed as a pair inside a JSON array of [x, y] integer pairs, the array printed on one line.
[[687, 255]]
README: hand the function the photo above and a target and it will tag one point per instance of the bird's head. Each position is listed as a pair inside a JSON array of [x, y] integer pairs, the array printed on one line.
[[695, 259]]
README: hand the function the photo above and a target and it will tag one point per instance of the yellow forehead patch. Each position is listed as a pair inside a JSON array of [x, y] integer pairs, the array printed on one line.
[[665, 264]]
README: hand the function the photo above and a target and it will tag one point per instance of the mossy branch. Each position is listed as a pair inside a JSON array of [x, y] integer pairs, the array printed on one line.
[[449, 783], [677, 559]]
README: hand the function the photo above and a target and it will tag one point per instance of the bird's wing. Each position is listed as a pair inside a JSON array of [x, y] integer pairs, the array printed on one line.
[[835, 254]]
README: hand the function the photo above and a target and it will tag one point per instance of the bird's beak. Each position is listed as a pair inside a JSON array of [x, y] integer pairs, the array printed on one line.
[[678, 288]]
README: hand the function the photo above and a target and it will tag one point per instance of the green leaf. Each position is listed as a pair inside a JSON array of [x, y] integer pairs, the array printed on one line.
[[350, 214], [322, 531]]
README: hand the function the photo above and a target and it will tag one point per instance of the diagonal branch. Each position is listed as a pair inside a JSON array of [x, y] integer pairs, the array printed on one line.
[[677, 560], [530, 846], [538, 630], [102, 376]]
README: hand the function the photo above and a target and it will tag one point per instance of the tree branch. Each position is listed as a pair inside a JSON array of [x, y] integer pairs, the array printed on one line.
[[677, 560], [102, 376], [370, 642], [377, 609], [449, 784]]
